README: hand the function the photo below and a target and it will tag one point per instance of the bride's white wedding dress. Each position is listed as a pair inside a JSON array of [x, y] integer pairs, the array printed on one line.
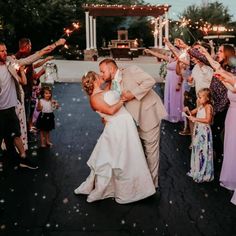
[[118, 165]]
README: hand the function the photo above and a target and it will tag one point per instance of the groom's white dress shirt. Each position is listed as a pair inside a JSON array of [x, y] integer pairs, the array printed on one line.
[[116, 82]]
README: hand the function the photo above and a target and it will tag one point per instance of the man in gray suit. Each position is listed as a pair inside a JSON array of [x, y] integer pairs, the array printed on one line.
[[9, 88], [143, 103]]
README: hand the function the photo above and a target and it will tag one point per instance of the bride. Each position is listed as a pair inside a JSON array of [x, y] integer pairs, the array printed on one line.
[[118, 165]]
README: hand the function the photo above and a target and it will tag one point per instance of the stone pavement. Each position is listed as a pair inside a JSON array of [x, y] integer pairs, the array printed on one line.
[[41, 202]]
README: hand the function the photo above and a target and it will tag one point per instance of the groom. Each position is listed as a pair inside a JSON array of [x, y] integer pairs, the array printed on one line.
[[143, 104]]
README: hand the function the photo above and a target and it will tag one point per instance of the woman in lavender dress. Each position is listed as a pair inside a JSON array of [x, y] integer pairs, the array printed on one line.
[[173, 98], [228, 171], [173, 94]]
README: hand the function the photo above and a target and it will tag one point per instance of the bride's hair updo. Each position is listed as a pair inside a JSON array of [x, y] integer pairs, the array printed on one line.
[[88, 82]]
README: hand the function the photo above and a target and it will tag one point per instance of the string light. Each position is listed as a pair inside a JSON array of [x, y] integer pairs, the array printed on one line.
[[204, 27], [149, 7]]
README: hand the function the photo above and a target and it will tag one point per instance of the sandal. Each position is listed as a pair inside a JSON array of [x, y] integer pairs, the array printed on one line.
[[49, 144]]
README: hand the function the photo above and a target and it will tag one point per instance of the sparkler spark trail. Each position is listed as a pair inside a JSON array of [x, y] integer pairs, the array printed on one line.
[[184, 23], [68, 32]]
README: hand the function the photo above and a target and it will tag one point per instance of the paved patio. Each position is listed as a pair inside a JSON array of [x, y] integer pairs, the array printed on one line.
[[42, 203], [72, 71]]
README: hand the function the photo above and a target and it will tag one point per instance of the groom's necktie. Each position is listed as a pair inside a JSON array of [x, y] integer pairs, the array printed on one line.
[[115, 85]]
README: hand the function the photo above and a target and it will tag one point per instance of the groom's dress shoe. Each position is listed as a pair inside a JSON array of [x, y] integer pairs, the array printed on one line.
[[76, 191]]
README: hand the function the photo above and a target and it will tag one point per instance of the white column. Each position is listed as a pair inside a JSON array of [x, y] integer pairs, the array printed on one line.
[[155, 33], [160, 31], [87, 30], [91, 31], [166, 27], [94, 33]]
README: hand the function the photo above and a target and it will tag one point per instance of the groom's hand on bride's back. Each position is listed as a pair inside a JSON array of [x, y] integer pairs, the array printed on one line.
[[123, 98], [127, 96]]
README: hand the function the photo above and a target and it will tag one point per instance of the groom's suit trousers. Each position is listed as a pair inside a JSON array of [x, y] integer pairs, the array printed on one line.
[[151, 142]]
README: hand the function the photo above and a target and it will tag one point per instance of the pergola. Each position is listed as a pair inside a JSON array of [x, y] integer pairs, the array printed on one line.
[[159, 12]]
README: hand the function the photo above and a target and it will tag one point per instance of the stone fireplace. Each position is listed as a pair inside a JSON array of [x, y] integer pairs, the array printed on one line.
[[123, 41]]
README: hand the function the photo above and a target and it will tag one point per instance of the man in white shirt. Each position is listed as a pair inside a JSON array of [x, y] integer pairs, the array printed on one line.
[[201, 76], [9, 123]]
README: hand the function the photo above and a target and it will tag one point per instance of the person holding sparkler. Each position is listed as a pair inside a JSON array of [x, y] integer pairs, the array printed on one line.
[[9, 93]]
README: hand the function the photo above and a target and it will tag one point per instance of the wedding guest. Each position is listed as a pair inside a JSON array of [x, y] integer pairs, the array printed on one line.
[[228, 174], [173, 95], [201, 74], [46, 119], [219, 94], [227, 78], [9, 92], [20, 108], [183, 69], [25, 50], [20, 112], [202, 168]]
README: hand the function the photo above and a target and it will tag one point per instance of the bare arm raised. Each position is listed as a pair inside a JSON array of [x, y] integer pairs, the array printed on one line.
[[214, 64], [227, 78], [43, 51], [157, 54]]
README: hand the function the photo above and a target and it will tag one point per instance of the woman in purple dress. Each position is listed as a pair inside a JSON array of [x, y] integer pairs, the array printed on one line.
[[228, 173], [173, 95]]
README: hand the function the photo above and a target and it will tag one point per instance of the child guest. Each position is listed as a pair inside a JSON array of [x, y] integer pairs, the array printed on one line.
[[202, 169], [46, 119]]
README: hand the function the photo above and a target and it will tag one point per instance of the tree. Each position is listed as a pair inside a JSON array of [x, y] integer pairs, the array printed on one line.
[[214, 13], [145, 35], [197, 21], [43, 21]]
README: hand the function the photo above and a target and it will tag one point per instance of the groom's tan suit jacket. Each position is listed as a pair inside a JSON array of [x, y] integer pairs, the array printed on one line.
[[147, 108]]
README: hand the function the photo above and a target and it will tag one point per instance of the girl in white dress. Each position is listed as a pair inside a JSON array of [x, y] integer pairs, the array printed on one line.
[[202, 168], [118, 165], [46, 118]]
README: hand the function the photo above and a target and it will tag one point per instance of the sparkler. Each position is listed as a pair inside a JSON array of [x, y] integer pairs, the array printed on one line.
[[184, 23], [68, 31]]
